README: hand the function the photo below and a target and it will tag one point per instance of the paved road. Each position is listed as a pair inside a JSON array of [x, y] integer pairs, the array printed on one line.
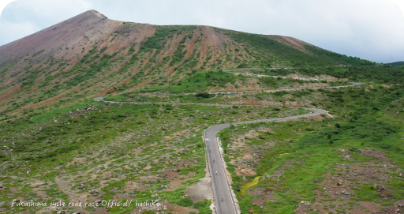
[[220, 185], [224, 201], [272, 68], [260, 90], [171, 103]]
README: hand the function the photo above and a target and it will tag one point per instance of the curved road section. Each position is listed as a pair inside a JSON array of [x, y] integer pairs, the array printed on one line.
[[224, 201]]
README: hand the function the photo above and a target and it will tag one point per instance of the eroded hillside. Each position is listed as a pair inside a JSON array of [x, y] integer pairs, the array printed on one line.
[[90, 55]]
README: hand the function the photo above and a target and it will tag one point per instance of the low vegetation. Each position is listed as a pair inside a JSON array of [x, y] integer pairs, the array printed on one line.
[[110, 150], [322, 165]]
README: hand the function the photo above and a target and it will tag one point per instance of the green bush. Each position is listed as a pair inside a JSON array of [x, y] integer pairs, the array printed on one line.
[[203, 95]]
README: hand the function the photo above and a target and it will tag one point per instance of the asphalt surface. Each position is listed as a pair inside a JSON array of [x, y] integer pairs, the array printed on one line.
[[269, 91], [223, 199]]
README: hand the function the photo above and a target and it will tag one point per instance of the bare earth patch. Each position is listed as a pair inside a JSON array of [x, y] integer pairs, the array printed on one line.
[[201, 190]]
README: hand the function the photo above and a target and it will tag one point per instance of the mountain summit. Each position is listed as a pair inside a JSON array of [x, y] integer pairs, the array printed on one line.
[[83, 30]]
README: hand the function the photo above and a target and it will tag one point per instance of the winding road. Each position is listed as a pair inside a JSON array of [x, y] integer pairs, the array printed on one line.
[[352, 84], [224, 199]]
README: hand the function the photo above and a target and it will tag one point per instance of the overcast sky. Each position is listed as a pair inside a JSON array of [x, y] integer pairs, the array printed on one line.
[[369, 29]]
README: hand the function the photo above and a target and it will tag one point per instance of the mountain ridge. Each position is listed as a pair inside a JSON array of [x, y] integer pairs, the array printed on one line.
[[398, 63]]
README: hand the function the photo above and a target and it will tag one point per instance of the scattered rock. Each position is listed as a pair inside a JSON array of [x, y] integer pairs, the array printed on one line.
[[307, 203], [348, 157], [345, 192]]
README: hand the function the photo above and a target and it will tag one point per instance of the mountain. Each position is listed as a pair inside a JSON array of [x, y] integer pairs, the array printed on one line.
[[90, 55], [396, 63]]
